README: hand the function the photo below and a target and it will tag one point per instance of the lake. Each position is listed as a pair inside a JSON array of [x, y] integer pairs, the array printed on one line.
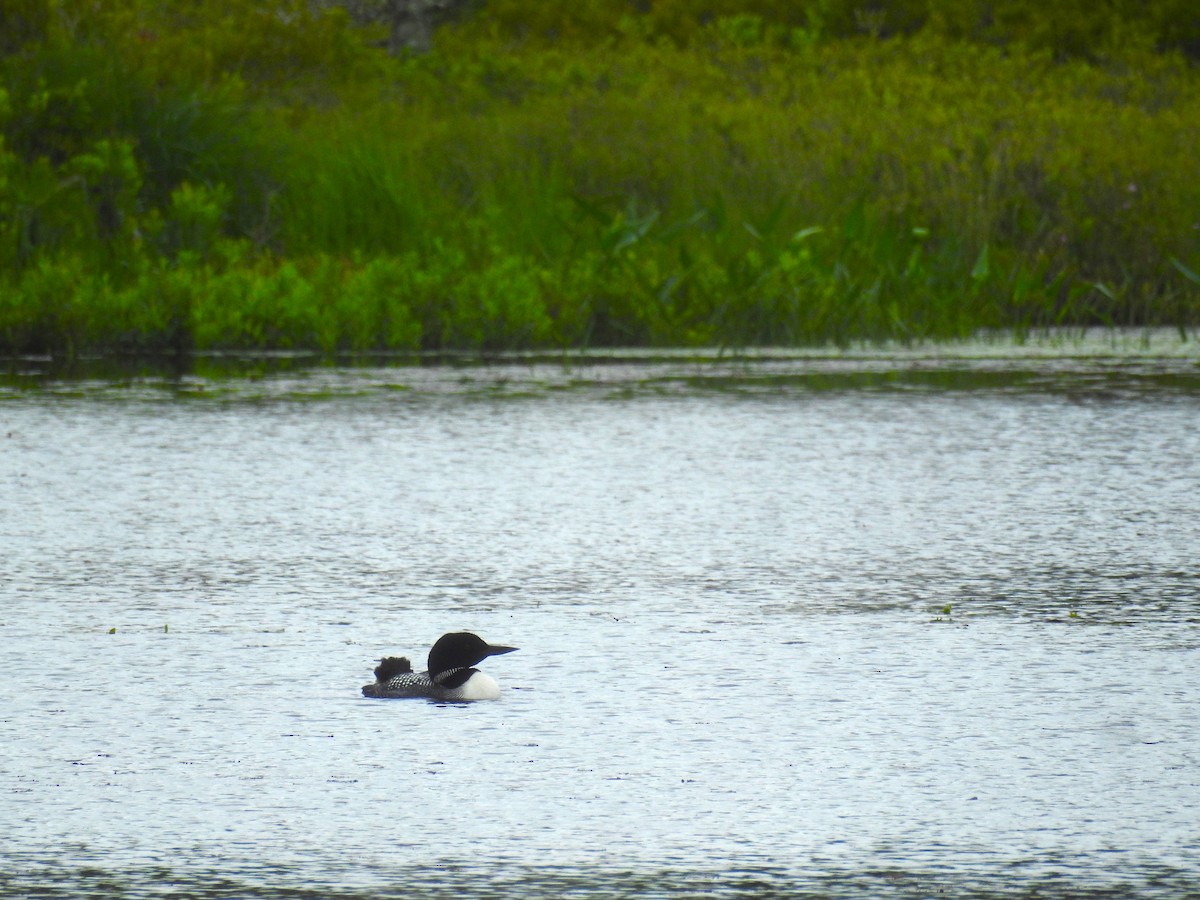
[[904, 621]]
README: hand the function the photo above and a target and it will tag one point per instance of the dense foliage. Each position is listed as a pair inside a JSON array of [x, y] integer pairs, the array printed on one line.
[[240, 173]]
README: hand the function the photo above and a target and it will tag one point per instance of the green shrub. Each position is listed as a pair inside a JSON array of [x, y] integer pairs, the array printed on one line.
[[224, 175]]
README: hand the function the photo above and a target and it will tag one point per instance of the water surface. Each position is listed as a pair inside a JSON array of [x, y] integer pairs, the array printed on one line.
[[904, 623]]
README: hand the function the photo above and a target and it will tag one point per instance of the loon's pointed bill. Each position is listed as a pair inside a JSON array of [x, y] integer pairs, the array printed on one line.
[[450, 674]]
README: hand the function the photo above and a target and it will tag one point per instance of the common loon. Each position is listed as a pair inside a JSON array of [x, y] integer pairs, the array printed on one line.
[[449, 677]]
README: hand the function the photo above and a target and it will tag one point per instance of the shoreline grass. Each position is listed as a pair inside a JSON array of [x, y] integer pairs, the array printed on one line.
[[736, 188]]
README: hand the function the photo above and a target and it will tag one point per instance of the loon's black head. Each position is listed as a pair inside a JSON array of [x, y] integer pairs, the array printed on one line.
[[454, 654]]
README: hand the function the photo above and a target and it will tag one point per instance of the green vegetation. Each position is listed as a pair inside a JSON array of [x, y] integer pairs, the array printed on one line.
[[208, 174]]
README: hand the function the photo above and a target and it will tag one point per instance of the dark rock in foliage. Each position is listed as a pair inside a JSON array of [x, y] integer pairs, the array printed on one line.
[[410, 22]]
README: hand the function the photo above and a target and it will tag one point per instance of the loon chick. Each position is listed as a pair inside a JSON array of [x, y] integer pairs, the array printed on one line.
[[449, 677]]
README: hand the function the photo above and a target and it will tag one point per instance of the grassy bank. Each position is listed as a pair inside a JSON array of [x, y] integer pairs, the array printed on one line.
[[205, 176]]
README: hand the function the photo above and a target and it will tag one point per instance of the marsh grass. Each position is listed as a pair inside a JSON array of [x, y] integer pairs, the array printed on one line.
[[737, 185]]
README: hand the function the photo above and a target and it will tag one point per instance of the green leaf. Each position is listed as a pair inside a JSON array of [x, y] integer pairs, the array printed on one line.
[[1187, 273], [982, 268]]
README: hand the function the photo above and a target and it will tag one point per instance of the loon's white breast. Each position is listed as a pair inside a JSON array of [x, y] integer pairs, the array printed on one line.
[[480, 686]]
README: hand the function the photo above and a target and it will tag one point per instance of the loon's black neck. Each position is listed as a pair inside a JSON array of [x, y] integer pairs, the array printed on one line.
[[454, 678]]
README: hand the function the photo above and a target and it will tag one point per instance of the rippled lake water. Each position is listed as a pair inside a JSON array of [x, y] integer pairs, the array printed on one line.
[[904, 623]]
